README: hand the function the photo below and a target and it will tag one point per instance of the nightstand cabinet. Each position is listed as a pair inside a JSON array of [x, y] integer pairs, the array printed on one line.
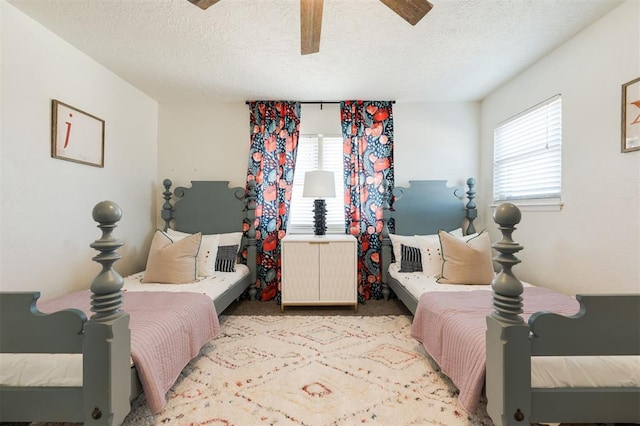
[[319, 270]]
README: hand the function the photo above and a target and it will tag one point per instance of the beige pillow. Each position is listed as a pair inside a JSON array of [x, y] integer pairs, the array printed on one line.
[[206, 255], [466, 261], [172, 262], [430, 251]]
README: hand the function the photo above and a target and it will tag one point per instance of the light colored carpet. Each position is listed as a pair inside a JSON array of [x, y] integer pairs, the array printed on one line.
[[311, 370], [369, 308]]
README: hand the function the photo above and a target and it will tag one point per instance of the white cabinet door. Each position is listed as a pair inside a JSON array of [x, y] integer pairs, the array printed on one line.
[[300, 275], [337, 272], [319, 270]]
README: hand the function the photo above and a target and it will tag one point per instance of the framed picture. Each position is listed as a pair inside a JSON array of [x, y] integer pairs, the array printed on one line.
[[631, 116], [76, 135]]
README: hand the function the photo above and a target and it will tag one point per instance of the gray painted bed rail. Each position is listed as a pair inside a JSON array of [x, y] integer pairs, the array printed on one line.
[[103, 339], [604, 325]]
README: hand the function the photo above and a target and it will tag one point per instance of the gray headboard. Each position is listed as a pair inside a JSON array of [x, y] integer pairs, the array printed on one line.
[[423, 208], [426, 206], [210, 207]]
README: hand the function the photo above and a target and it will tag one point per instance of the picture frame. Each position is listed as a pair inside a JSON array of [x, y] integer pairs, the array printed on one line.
[[76, 135], [631, 116]]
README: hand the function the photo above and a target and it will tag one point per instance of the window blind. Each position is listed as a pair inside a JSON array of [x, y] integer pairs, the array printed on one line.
[[527, 156], [317, 152]]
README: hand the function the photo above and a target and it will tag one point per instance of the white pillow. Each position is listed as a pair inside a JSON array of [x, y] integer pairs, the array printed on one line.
[[397, 241], [209, 248], [456, 232], [231, 239], [207, 254], [430, 254], [431, 251], [412, 241]]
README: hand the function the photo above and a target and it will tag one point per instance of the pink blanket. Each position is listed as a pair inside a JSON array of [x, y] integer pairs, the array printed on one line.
[[452, 326], [167, 331]]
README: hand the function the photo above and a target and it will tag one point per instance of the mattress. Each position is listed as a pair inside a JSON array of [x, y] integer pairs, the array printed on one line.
[[550, 371], [417, 283], [585, 371], [66, 369], [63, 370], [212, 285]]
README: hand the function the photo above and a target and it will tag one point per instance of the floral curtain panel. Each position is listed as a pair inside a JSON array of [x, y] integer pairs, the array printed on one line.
[[367, 130], [275, 129]]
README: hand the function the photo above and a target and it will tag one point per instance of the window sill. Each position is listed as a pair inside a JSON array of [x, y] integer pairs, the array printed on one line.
[[534, 206], [307, 231]]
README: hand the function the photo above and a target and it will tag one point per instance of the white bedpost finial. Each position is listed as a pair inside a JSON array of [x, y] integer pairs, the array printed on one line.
[[106, 287], [507, 289]]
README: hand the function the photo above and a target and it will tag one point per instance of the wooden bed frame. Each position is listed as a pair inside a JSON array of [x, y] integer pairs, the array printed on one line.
[[605, 324], [109, 381], [214, 199], [423, 208]]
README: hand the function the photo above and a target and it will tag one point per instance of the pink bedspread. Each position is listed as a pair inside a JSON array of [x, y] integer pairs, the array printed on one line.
[[167, 331], [452, 326]]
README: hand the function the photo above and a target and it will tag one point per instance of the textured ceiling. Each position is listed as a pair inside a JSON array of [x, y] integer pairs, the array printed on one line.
[[250, 49]]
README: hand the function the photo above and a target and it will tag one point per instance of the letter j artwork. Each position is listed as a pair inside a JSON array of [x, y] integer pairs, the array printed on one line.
[[66, 138], [76, 135]]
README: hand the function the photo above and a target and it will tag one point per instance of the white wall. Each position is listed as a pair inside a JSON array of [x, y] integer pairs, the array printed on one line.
[[46, 225], [203, 142], [432, 141], [593, 244], [436, 141]]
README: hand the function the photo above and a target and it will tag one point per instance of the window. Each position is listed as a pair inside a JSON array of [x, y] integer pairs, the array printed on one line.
[[527, 156], [317, 152]]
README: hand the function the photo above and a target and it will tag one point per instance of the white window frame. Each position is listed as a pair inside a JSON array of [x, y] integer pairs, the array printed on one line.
[[301, 209], [527, 157]]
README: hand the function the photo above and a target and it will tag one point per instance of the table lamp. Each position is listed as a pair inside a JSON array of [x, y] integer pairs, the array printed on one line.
[[319, 184]]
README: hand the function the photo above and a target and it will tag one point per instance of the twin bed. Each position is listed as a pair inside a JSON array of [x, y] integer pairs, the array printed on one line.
[[142, 329], [578, 364], [498, 328]]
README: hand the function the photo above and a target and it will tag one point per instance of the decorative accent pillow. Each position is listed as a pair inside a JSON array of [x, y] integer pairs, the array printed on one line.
[[207, 254], [396, 243], [431, 252], [411, 260], [232, 239], [412, 241], [466, 261], [172, 262], [226, 258], [456, 232]]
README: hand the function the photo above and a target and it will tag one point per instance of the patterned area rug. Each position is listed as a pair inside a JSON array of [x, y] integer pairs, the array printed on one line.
[[311, 370]]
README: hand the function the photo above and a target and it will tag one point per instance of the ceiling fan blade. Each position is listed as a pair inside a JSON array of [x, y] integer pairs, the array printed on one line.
[[310, 26], [411, 11], [204, 4]]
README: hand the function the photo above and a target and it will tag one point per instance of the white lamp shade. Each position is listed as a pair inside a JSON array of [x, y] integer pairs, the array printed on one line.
[[319, 184]]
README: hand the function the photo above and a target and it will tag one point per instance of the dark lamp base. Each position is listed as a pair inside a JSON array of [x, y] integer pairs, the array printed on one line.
[[319, 217]]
